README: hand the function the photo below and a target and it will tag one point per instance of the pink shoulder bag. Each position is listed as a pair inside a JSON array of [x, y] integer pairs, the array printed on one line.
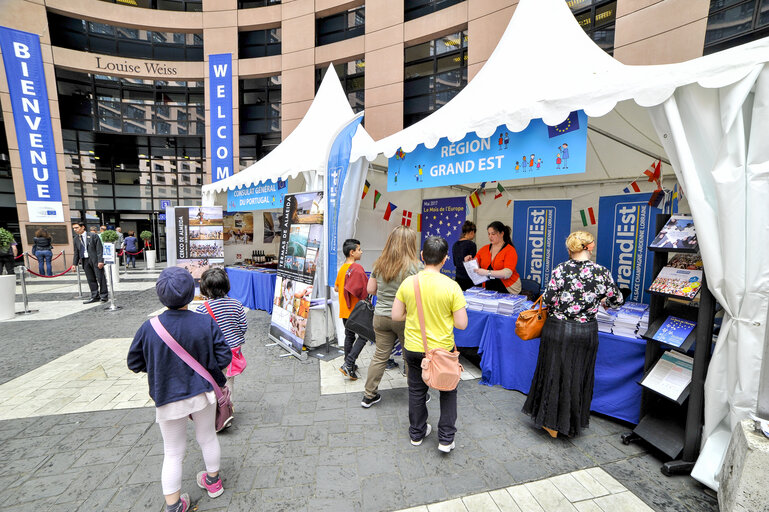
[[224, 410], [441, 369], [238, 363]]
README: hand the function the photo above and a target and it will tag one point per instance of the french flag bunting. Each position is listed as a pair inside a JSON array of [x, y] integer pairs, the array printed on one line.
[[633, 187]]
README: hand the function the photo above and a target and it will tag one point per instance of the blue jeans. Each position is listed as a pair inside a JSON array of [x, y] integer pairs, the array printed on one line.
[[44, 259], [130, 259]]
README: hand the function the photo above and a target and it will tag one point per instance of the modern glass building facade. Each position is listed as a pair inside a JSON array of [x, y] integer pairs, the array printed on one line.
[[129, 96]]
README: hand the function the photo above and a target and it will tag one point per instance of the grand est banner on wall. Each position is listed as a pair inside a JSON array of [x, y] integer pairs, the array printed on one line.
[[539, 150], [444, 217], [626, 226], [540, 228], [32, 119]]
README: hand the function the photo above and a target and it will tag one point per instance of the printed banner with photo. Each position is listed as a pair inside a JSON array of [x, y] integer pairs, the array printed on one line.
[[625, 230], [444, 217], [238, 228], [539, 150], [540, 228], [272, 227], [199, 240], [300, 239]]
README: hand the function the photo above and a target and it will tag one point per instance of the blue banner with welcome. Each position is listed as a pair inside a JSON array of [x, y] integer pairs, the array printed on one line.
[[220, 87], [32, 119], [264, 196], [540, 228], [626, 226], [539, 150]]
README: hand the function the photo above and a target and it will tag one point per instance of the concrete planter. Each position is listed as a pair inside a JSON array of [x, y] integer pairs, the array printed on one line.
[[150, 255], [7, 296]]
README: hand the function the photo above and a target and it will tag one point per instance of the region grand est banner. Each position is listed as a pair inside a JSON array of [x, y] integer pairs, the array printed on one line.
[[540, 228], [539, 150], [626, 227]]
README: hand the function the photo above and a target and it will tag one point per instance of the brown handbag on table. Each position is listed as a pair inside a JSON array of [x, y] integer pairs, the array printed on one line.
[[530, 322], [441, 369]]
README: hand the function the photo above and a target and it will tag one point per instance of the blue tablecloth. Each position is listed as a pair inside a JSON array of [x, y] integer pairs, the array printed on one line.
[[510, 361], [254, 289]]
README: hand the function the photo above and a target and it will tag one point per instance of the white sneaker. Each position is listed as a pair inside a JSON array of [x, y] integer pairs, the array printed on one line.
[[446, 448], [427, 433]]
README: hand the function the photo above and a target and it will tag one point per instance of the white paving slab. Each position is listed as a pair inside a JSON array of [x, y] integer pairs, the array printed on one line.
[[51, 310]]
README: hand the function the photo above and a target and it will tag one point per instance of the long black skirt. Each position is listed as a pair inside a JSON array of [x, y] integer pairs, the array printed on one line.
[[562, 387]]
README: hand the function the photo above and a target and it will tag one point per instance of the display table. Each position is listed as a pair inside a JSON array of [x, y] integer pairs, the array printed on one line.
[[254, 289], [510, 361]]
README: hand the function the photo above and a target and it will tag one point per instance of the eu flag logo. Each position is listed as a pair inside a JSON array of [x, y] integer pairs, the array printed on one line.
[[571, 124]]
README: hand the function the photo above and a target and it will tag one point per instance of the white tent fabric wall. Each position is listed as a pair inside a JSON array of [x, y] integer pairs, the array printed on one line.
[[716, 139]]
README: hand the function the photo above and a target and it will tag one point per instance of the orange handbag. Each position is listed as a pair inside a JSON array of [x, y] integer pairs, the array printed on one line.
[[530, 322], [441, 369]]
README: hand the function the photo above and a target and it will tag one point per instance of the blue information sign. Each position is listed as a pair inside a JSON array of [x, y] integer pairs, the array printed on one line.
[[32, 118], [264, 196], [165, 204], [220, 87], [539, 150], [540, 228]]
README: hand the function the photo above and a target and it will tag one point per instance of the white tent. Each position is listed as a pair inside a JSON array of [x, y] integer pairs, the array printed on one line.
[[711, 115]]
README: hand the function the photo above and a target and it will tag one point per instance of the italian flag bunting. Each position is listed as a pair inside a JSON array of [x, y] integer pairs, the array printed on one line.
[[587, 215], [500, 191]]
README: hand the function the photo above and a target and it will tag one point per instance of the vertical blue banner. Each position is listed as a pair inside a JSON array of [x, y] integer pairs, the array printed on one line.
[[625, 229], [444, 217], [220, 94], [336, 172], [540, 228], [32, 118]]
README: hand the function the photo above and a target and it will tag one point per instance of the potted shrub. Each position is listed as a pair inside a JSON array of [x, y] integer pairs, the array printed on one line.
[[149, 253], [110, 237], [7, 282]]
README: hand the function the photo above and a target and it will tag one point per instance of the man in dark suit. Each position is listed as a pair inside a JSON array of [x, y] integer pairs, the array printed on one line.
[[88, 250]]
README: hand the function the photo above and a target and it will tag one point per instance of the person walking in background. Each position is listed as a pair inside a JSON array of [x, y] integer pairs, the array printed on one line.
[[130, 245], [229, 316], [562, 387], [444, 309], [102, 229], [89, 250], [497, 261], [179, 391], [464, 250], [351, 286], [119, 243], [43, 251], [397, 261]]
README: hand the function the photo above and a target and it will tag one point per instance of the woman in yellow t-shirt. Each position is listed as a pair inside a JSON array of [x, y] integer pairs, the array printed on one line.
[[444, 309]]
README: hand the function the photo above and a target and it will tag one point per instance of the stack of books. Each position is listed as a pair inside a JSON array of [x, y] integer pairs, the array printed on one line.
[[489, 300], [643, 325], [509, 305], [681, 282], [605, 318], [628, 318]]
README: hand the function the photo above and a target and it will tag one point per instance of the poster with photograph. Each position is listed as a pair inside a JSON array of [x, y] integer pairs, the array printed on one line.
[[238, 228], [300, 240], [199, 240], [272, 227]]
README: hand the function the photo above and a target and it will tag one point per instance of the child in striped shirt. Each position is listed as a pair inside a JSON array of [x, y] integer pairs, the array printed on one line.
[[228, 313]]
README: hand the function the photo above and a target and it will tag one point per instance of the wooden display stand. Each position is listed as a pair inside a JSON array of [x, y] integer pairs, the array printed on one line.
[[675, 426]]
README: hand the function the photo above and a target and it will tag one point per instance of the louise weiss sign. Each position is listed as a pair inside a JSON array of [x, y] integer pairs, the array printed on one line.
[[539, 150]]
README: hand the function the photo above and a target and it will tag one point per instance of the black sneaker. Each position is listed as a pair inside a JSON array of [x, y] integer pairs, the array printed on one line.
[[348, 372], [368, 402], [353, 373], [391, 364]]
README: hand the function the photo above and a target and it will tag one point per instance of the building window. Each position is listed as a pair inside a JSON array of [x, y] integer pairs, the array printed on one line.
[[165, 5], [597, 18], [106, 39], [413, 9], [735, 22], [248, 4], [338, 27], [434, 72], [259, 43], [352, 75], [260, 131]]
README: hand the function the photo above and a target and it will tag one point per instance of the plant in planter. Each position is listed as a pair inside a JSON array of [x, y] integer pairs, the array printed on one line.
[[109, 237], [6, 240], [146, 236]]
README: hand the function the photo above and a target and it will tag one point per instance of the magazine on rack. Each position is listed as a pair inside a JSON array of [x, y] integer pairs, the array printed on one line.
[[670, 376], [677, 281], [678, 233], [674, 331]]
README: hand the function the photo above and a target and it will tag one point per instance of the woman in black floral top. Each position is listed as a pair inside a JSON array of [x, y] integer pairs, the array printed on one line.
[[562, 387]]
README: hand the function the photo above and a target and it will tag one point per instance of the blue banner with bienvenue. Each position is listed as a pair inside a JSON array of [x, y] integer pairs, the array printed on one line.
[[539, 150], [336, 172], [264, 196], [626, 225], [444, 217], [540, 228], [220, 87], [32, 119]]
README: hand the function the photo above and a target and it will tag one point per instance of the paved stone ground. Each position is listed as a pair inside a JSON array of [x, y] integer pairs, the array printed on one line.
[[291, 448]]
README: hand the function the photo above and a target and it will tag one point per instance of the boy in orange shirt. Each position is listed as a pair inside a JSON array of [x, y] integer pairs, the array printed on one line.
[[351, 286]]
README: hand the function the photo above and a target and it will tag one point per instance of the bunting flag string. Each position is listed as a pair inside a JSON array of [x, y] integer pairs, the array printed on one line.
[[475, 199], [377, 196], [633, 187], [500, 191], [587, 215], [419, 222], [656, 198], [406, 220], [390, 208], [654, 173], [674, 200], [482, 188], [365, 190]]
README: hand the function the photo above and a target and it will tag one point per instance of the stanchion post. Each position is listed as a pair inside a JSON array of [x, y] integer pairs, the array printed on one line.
[[125, 263], [23, 271], [112, 306], [79, 284], [26, 261], [64, 256], [144, 254]]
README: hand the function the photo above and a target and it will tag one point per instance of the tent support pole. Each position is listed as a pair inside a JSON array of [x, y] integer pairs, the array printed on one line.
[[628, 144]]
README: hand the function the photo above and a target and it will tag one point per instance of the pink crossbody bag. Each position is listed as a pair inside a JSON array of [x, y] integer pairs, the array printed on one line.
[[441, 369], [224, 410]]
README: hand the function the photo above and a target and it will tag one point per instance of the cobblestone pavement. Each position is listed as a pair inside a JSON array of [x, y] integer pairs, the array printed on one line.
[[291, 447]]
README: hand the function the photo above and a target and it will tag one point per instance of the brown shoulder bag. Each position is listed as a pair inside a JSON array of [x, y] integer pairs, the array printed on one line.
[[530, 322]]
